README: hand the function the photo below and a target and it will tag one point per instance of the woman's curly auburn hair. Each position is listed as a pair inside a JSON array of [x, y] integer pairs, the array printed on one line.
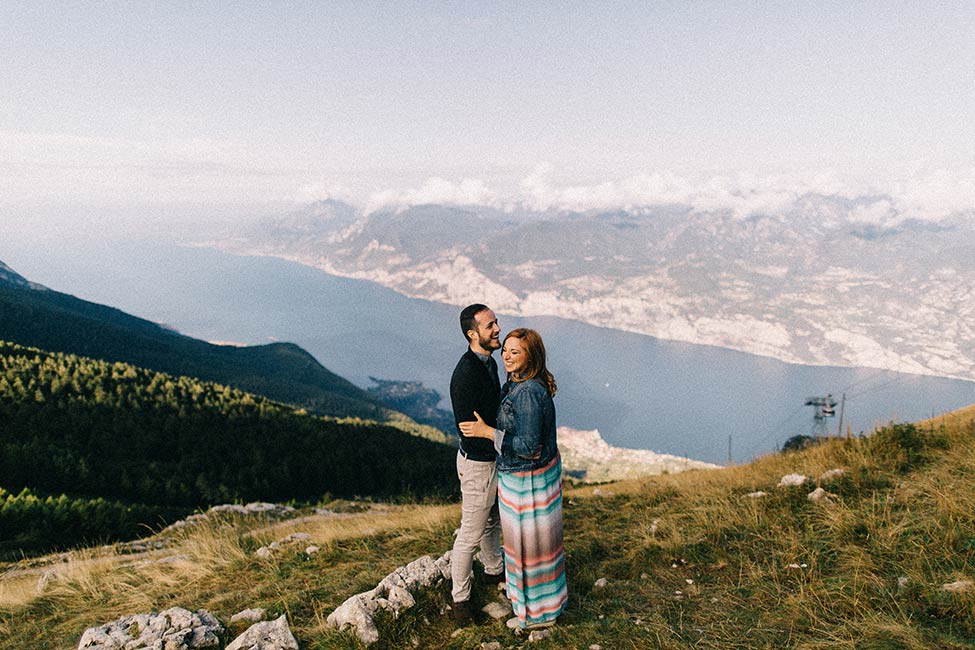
[[535, 351]]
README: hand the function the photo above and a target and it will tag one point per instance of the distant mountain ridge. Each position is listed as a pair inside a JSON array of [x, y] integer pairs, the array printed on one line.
[[280, 371], [12, 278], [823, 280]]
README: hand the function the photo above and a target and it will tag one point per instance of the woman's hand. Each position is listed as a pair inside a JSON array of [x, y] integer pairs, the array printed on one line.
[[477, 428]]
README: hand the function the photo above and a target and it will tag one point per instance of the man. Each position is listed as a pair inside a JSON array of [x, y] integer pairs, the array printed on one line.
[[474, 386]]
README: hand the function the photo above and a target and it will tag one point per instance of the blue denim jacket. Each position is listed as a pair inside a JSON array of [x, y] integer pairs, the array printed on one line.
[[527, 419]]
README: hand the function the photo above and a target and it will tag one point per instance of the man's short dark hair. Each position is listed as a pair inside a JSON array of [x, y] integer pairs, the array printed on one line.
[[467, 320]]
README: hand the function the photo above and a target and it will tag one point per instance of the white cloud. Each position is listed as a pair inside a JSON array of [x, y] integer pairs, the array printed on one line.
[[52, 168], [322, 191], [436, 190], [878, 213], [936, 194]]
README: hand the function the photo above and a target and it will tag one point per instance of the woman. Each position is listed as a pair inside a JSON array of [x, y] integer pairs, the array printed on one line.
[[529, 482]]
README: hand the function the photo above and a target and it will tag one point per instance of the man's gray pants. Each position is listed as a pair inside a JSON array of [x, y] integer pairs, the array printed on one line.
[[480, 525]]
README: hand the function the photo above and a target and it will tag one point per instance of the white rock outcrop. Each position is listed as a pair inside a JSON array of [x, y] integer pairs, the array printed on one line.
[[831, 474], [252, 615], [497, 610], [959, 586], [267, 552], [268, 635], [173, 629], [792, 479], [393, 594], [819, 495]]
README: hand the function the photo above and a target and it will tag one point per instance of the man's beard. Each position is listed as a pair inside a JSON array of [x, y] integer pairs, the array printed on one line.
[[489, 343]]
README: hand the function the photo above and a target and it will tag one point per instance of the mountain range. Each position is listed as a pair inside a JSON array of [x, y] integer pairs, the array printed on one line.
[[824, 280]]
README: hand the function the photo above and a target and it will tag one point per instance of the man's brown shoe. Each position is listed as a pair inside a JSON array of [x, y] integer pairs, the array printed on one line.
[[494, 579], [463, 614]]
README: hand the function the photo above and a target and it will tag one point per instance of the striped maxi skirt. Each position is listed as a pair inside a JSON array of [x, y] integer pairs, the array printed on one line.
[[534, 557]]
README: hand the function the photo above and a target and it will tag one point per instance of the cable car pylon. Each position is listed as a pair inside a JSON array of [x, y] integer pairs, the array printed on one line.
[[823, 407]]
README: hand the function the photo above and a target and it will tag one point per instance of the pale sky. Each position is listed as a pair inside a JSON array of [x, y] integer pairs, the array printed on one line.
[[118, 103]]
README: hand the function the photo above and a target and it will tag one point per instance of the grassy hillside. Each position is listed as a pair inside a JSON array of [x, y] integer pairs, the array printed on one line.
[[691, 561], [94, 430], [283, 372]]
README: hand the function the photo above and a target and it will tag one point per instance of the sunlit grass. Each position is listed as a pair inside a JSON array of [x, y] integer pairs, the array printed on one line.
[[691, 560]]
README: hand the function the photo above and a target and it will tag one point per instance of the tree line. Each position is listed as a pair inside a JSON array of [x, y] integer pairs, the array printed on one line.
[[93, 429], [30, 523]]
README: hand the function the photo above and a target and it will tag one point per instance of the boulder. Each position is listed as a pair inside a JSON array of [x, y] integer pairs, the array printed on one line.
[[792, 479], [959, 587], [394, 594], [267, 635], [819, 495], [266, 552], [251, 615], [356, 612], [497, 610], [538, 635], [829, 475], [173, 629]]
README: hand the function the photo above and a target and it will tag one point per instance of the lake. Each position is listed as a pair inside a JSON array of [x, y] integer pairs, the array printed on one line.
[[640, 392]]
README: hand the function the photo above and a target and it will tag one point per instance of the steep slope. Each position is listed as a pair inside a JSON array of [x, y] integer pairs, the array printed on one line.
[[93, 429], [10, 277]]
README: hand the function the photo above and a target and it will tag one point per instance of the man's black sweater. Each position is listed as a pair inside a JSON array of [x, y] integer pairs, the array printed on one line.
[[472, 388]]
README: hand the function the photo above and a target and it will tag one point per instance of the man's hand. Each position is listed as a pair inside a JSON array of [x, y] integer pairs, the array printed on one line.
[[477, 428]]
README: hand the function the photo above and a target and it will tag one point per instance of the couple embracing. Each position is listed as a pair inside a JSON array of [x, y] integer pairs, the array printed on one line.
[[510, 473]]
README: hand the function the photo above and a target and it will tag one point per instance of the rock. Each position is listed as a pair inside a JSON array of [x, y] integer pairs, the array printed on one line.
[[497, 610], [902, 583], [832, 474], [356, 613], [49, 576], [491, 645], [265, 552], [601, 583], [819, 495], [538, 635], [251, 615], [590, 459], [311, 550], [268, 635], [756, 495], [959, 587], [270, 510], [172, 629], [792, 479], [595, 646], [394, 594]]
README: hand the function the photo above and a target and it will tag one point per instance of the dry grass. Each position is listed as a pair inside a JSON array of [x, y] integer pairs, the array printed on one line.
[[326, 530], [691, 560]]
